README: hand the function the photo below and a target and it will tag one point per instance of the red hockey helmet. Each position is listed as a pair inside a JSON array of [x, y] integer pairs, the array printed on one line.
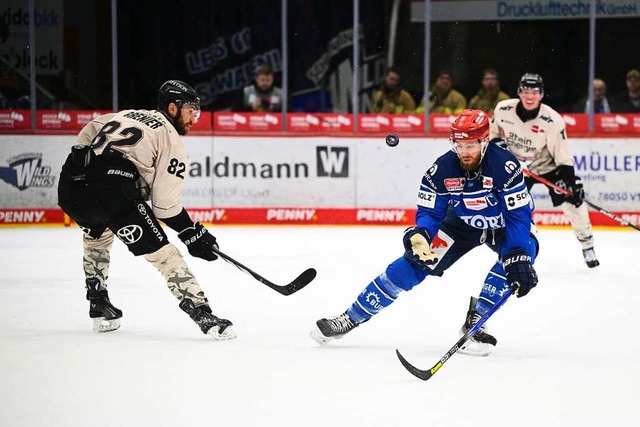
[[470, 125]]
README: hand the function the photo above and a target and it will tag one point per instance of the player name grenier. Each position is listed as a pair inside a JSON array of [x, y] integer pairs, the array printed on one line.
[[148, 120]]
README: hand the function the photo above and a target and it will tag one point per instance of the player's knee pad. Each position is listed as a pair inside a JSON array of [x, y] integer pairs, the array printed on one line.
[[140, 230], [166, 259], [404, 275]]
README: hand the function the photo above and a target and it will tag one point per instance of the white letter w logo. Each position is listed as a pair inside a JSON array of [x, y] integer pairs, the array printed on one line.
[[333, 161]]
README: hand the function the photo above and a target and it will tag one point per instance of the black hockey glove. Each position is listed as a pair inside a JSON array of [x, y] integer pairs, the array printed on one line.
[[417, 245], [578, 193], [200, 243], [520, 272]]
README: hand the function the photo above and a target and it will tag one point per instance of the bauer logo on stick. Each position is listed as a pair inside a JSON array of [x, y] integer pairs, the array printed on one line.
[[392, 140]]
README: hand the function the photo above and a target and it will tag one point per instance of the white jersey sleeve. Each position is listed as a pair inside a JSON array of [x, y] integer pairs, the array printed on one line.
[[153, 145], [540, 144]]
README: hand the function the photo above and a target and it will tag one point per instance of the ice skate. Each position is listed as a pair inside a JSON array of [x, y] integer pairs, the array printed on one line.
[[105, 316], [332, 328], [590, 258], [209, 324], [482, 343]]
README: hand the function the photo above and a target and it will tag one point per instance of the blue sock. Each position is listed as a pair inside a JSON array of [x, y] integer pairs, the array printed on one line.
[[378, 294], [382, 291], [494, 287]]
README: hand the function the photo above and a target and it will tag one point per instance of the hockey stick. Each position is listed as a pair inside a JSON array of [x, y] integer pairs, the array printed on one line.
[[569, 193], [298, 283], [426, 374]]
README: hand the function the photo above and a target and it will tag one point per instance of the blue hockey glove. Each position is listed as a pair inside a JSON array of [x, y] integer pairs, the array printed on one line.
[[520, 272], [200, 243], [417, 245]]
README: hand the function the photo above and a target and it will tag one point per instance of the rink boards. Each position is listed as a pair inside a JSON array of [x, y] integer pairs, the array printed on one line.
[[309, 180]]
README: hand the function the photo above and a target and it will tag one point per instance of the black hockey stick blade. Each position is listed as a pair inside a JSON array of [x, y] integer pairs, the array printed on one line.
[[426, 374], [298, 283]]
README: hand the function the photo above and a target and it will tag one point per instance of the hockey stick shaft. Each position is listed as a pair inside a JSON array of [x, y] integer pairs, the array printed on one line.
[[426, 374], [569, 193], [298, 283]]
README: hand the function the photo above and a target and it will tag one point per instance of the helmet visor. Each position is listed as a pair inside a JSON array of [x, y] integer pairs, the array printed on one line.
[[193, 106]]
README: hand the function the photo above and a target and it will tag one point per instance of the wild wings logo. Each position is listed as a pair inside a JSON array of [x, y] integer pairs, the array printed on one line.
[[26, 170]]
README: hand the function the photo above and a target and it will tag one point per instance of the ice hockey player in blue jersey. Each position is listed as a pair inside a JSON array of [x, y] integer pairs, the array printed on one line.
[[474, 194]]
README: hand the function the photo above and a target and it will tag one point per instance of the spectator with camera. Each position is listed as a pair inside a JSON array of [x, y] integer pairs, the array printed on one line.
[[262, 95], [390, 97]]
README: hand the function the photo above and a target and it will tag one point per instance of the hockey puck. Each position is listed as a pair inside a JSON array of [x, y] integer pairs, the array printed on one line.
[[392, 140]]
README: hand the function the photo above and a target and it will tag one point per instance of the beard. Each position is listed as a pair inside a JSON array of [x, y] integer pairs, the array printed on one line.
[[471, 167], [180, 126]]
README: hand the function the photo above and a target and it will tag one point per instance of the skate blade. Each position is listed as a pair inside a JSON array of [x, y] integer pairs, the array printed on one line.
[[227, 334], [321, 339], [474, 348], [100, 324]]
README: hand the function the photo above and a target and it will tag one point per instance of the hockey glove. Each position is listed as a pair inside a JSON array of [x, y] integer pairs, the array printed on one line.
[[578, 193], [200, 243], [417, 245], [520, 272]]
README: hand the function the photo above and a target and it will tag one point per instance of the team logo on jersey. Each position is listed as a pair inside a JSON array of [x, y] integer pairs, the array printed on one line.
[[432, 170], [129, 234], [454, 184], [440, 245], [510, 166], [475, 204], [517, 200], [426, 199], [487, 182], [484, 222], [537, 129]]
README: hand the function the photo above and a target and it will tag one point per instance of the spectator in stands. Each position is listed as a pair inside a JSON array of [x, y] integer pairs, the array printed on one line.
[[601, 104], [391, 97], [10, 92], [489, 94], [629, 100], [443, 98], [262, 95]]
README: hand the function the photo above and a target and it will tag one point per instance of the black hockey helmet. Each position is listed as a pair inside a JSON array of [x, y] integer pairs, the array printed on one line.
[[178, 92], [531, 81]]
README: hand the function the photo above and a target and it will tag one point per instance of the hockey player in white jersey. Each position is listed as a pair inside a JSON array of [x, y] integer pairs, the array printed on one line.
[[120, 161], [535, 133]]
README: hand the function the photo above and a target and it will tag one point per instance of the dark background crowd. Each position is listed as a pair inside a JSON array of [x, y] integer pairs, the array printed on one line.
[[217, 46]]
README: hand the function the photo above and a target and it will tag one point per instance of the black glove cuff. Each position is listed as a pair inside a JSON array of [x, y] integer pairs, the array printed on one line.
[[179, 222]]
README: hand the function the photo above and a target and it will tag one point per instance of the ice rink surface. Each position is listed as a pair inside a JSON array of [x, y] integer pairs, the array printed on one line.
[[568, 353]]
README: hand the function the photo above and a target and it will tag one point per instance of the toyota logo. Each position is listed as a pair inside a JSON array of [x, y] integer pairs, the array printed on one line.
[[129, 234]]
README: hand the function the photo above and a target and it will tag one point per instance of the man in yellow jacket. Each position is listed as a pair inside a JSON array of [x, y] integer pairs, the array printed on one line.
[[443, 98], [390, 97]]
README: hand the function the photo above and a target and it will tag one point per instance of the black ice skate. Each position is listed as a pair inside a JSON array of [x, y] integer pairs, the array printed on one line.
[[105, 316], [590, 258], [482, 343], [332, 328], [219, 329]]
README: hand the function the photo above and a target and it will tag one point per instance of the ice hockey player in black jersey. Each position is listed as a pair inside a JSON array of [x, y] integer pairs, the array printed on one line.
[[126, 171], [473, 195]]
